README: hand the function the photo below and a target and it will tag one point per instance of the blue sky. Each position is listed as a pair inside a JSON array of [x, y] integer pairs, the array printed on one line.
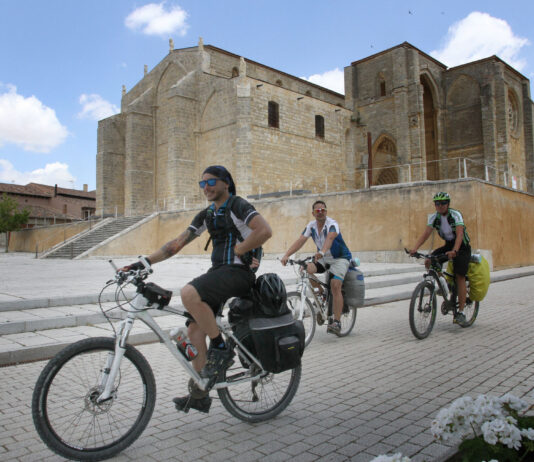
[[63, 62]]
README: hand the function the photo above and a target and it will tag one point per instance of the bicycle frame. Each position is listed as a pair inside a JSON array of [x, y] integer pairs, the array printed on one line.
[[304, 285], [138, 311]]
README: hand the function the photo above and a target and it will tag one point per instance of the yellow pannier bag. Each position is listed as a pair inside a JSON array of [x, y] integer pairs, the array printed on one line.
[[479, 278]]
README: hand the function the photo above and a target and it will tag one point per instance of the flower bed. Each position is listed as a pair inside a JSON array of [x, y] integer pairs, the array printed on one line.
[[491, 430]]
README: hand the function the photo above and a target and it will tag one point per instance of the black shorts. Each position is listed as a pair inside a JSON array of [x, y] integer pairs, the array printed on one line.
[[223, 282], [461, 261]]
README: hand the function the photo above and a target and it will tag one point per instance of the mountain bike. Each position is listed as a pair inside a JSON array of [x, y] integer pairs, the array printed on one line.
[[313, 305], [423, 304], [96, 396]]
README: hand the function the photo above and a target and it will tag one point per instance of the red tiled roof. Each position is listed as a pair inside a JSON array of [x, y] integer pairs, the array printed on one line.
[[27, 190], [63, 191], [43, 190]]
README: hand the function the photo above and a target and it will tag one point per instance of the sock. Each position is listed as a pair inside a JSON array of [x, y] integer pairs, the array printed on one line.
[[218, 342]]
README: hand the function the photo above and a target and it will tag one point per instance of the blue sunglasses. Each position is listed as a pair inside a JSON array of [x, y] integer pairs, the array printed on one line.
[[210, 182]]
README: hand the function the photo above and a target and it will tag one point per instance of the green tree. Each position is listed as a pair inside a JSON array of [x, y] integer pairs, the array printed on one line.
[[11, 218]]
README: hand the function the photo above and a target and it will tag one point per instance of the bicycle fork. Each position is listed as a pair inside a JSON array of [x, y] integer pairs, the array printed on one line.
[[113, 362]]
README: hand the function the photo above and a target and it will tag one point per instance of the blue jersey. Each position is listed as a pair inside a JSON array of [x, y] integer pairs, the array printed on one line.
[[339, 249]]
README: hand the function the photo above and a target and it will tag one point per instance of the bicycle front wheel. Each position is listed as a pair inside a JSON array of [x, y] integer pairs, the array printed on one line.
[[306, 310], [65, 411], [423, 310], [471, 313], [258, 400]]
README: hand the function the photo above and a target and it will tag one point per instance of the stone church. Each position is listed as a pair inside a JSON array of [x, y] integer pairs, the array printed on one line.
[[404, 117]]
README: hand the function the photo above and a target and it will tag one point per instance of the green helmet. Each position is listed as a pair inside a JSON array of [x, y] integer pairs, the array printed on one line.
[[441, 196]]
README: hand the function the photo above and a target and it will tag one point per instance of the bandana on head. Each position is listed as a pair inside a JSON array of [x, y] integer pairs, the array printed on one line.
[[220, 172]]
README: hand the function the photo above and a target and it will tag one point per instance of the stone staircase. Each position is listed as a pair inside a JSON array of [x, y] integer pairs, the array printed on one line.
[[80, 244]]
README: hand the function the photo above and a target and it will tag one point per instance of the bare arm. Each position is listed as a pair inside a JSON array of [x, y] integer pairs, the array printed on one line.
[[457, 243], [261, 232], [293, 248], [327, 244], [422, 239], [172, 247]]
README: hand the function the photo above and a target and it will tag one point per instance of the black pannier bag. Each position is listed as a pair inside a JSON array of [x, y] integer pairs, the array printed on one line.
[[279, 342]]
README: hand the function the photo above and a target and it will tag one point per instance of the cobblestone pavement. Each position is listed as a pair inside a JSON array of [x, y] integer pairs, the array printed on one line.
[[374, 392]]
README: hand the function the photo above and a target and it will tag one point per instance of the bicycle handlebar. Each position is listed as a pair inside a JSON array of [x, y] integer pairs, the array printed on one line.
[[135, 276], [436, 257]]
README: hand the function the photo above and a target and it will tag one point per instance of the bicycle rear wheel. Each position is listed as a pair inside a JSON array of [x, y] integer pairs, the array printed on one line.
[[470, 313], [308, 314], [423, 310], [259, 400], [347, 320], [64, 408]]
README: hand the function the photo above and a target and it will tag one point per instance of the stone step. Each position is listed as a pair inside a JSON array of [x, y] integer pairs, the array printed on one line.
[[90, 239]]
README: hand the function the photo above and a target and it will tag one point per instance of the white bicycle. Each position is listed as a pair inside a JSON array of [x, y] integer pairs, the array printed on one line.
[[96, 396], [313, 306]]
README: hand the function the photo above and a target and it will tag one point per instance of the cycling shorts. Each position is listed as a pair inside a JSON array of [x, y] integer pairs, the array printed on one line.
[[338, 267], [223, 282], [461, 261]]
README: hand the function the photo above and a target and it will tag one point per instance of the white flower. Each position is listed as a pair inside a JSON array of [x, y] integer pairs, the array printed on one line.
[[514, 402], [528, 433], [502, 431], [398, 457]]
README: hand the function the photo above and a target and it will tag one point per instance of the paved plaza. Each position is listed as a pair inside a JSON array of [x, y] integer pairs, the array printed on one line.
[[373, 392]]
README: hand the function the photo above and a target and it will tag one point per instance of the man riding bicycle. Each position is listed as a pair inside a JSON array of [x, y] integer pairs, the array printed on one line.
[[331, 251], [229, 276], [450, 226]]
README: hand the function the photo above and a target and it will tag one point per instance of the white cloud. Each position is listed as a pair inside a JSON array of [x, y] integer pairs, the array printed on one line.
[[55, 173], [27, 122], [479, 36], [95, 107], [157, 19], [334, 80]]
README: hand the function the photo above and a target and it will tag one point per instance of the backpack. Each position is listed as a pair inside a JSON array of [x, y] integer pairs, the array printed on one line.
[[230, 227]]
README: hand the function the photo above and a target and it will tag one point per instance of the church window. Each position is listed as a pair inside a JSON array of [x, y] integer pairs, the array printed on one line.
[[319, 126], [279, 83], [381, 85], [273, 115], [512, 113], [235, 72]]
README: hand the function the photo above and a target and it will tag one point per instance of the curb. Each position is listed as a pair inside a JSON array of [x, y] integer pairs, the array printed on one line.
[[38, 353]]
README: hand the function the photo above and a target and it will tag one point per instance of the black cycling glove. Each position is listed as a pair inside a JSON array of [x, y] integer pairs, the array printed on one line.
[[137, 265]]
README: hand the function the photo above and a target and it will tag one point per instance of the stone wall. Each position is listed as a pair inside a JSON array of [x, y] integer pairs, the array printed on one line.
[[380, 219]]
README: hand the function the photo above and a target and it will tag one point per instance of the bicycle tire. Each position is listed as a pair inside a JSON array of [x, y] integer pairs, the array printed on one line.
[[470, 313], [347, 320], [247, 403], [65, 415], [309, 316], [423, 311]]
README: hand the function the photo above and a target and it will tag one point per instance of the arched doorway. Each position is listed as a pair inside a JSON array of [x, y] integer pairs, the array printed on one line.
[[385, 169], [430, 127]]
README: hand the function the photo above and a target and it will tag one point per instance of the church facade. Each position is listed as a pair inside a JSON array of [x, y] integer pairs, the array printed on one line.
[[404, 117]]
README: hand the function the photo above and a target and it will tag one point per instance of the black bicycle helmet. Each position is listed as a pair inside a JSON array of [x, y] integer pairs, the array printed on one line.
[[271, 294]]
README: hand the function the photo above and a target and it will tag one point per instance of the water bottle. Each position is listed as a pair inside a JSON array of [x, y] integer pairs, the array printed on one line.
[[179, 335], [476, 258], [445, 286]]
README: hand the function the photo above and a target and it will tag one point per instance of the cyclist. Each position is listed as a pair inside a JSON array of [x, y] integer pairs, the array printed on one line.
[[331, 250], [451, 227], [229, 276]]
